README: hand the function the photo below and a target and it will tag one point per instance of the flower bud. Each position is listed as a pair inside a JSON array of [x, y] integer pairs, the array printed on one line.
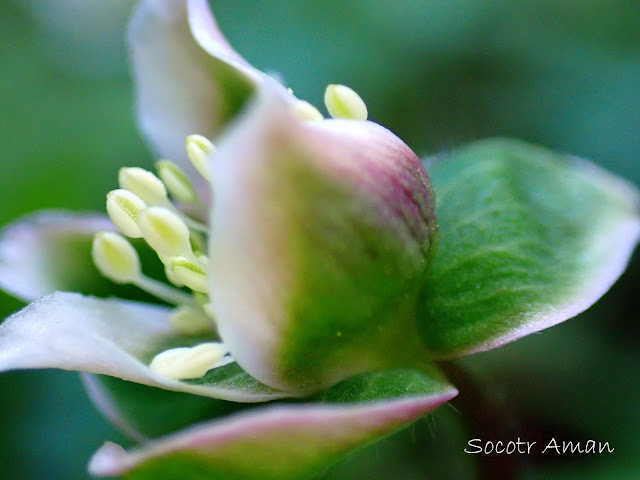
[[199, 151], [190, 274], [323, 233], [176, 182], [144, 184], [164, 231], [184, 363], [115, 257], [124, 210], [343, 102]]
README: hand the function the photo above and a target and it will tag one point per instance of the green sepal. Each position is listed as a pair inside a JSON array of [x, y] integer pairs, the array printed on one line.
[[528, 238], [291, 441]]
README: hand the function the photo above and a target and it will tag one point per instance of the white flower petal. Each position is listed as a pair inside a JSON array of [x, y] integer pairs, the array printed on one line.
[[111, 337], [48, 251], [188, 79], [206, 32], [319, 228]]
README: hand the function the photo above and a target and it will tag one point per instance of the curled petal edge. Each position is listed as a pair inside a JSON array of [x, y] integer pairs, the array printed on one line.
[[187, 77], [38, 252], [329, 431]]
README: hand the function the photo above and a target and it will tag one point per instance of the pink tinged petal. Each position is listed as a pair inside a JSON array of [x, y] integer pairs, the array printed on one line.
[[48, 251], [284, 442], [345, 198], [187, 77], [207, 34], [110, 337], [382, 165]]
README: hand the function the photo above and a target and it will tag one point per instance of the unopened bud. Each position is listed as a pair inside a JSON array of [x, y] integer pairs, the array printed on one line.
[[189, 321], [144, 184], [184, 363], [199, 150], [115, 257], [176, 182], [164, 231], [305, 111], [192, 275], [124, 209], [343, 102]]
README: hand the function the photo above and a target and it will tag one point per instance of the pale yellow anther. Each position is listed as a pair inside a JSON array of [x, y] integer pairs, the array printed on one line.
[[190, 274], [184, 363], [343, 102], [172, 276], [176, 182], [199, 151], [164, 231], [124, 209], [144, 184], [115, 257], [305, 111], [189, 321]]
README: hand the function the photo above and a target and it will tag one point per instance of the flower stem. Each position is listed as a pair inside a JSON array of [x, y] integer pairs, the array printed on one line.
[[487, 418]]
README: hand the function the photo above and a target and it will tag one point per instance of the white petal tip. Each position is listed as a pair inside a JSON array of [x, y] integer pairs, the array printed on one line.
[[108, 461]]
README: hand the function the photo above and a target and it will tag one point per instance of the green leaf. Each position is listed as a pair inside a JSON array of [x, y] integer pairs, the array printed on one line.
[[528, 238], [285, 442]]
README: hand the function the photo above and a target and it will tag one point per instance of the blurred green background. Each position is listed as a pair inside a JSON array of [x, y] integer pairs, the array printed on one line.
[[561, 73]]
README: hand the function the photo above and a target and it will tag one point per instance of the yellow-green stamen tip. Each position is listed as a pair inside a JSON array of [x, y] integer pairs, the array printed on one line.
[[176, 182], [199, 151], [124, 210], [184, 363], [343, 102], [190, 274], [165, 231], [144, 184], [115, 257], [305, 111]]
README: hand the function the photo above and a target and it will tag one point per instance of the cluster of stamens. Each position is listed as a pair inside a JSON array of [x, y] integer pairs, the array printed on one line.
[[143, 207]]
